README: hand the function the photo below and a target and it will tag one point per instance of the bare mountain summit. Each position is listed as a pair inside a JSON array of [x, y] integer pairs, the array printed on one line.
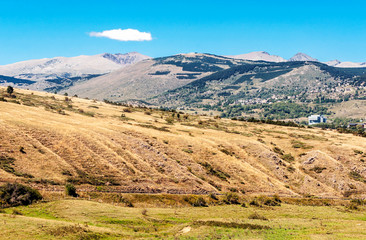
[[259, 56], [302, 57]]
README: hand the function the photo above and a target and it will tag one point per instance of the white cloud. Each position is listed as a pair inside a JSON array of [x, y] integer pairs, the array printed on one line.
[[123, 35]]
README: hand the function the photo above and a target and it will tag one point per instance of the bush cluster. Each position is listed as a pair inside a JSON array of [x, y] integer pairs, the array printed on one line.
[[14, 194]]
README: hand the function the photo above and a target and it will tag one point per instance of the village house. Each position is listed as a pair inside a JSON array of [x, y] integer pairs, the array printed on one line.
[[316, 119]]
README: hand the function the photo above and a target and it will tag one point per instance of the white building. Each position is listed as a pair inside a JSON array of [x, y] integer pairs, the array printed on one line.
[[315, 119]]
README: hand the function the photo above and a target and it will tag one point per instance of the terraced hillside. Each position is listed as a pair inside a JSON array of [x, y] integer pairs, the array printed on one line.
[[47, 140]]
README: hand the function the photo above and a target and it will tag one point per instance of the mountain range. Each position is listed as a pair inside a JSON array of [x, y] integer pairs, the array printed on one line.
[[232, 86], [55, 73], [265, 56]]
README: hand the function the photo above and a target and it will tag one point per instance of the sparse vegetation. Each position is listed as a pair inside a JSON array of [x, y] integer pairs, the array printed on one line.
[[288, 157], [356, 176], [215, 172], [257, 216], [196, 201], [231, 198], [318, 169]]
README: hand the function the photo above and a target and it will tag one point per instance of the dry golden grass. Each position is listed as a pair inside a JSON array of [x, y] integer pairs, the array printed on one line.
[[101, 147], [353, 108]]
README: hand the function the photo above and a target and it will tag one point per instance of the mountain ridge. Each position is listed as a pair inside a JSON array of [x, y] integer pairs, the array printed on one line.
[[52, 74], [265, 56]]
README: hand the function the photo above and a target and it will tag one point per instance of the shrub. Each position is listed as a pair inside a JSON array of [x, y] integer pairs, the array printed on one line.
[[144, 212], [15, 194], [120, 199], [128, 110], [288, 157], [21, 149], [352, 206], [10, 90], [196, 201], [271, 202], [318, 169], [213, 196], [291, 169], [169, 120], [215, 172], [278, 150], [187, 150], [71, 190], [257, 216], [255, 203], [231, 198]]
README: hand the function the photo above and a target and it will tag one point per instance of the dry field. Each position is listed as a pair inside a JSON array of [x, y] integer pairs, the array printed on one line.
[[47, 140]]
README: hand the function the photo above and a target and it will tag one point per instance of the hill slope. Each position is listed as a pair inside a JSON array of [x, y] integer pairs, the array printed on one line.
[[48, 140]]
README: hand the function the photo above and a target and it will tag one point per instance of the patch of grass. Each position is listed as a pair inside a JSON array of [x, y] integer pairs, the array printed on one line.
[[288, 157], [318, 169], [215, 172], [164, 129], [93, 106], [187, 150], [86, 113], [257, 216], [230, 225], [16, 212], [356, 176], [86, 178], [299, 144], [81, 232]]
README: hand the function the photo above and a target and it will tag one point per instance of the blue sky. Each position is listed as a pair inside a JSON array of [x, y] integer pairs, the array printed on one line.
[[325, 30]]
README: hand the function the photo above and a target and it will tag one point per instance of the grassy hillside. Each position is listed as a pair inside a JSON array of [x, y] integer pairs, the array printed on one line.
[[75, 219], [48, 140]]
